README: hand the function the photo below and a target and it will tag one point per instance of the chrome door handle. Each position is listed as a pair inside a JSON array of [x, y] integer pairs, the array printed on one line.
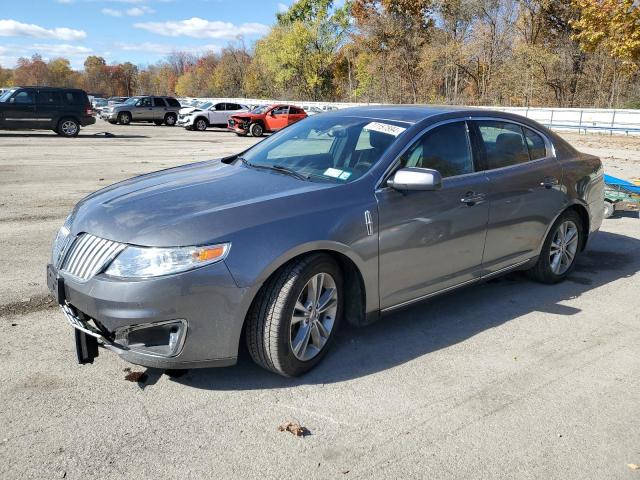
[[472, 198], [549, 182]]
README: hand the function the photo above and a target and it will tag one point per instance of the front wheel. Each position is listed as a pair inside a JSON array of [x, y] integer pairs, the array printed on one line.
[[294, 318], [609, 209], [560, 250], [170, 119], [256, 130], [124, 118], [201, 125]]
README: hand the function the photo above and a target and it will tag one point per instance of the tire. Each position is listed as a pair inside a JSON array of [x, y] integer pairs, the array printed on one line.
[[157, 122], [241, 134], [200, 124], [553, 271], [256, 130], [124, 118], [275, 341], [609, 209], [68, 127], [170, 119]]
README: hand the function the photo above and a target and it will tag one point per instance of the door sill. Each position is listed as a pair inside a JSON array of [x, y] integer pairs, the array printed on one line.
[[454, 287]]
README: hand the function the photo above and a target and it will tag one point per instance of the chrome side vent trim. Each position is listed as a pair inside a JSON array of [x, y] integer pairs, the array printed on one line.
[[89, 255]]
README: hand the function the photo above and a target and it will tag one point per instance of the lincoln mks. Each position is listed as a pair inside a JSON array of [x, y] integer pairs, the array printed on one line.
[[337, 218]]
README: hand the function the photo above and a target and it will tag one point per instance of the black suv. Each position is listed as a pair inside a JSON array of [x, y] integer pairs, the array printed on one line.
[[63, 110]]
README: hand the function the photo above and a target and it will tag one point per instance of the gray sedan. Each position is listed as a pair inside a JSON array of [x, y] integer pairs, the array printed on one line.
[[338, 218]]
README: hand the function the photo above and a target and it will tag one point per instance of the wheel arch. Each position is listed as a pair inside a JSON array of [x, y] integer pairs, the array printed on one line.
[[202, 117], [355, 287], [582, 210]]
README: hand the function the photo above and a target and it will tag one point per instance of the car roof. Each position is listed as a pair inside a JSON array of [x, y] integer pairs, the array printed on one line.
[[403, 113]]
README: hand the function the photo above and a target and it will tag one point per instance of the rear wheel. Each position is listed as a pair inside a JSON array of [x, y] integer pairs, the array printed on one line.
[[170, 119], [256, 130], [609, 209], [124, 118], [293, 320], [560, 250], [68, 127]]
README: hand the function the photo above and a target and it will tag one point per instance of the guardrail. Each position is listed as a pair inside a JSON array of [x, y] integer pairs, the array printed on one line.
[[621, 121]]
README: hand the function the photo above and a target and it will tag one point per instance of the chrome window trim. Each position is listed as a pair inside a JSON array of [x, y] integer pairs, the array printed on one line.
[[549, 147]]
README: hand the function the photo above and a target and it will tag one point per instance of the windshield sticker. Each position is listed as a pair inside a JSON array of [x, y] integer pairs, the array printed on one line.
[[384, 128], [333, 172], [344, 175]]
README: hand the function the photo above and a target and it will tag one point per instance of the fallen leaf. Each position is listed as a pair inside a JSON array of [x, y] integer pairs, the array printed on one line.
[[139, 377], [633, 466], [294, 428]]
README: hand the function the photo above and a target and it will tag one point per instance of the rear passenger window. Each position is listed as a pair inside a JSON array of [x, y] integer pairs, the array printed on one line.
[[173, 102], [445, 148], [503, 143], [72, 98], [158, 102], [535, 143], [48, 98]]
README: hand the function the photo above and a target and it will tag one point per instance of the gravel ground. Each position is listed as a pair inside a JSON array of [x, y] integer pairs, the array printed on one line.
[[510, 379]]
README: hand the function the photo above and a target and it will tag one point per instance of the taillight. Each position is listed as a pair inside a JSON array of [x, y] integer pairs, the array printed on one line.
[[89, 111]]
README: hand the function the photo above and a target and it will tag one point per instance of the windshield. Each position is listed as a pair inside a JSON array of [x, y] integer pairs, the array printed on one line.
[[260, 109], [5, 96], [132, 101], [206, 105], [327, 148]]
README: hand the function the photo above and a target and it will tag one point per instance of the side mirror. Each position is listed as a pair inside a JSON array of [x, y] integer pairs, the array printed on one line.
[[138, 104], [413, 178], [12, 100]]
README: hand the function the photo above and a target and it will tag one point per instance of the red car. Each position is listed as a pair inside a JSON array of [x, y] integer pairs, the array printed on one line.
[[269, 118]]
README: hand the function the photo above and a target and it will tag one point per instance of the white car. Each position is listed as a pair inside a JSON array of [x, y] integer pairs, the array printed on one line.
[[208, 114]]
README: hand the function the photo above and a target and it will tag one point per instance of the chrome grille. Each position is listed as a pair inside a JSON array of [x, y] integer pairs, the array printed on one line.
[[89, 255]]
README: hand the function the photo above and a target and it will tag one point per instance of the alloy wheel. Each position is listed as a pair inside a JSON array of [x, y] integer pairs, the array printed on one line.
[[563, 247], [313, 317], [69, 128]]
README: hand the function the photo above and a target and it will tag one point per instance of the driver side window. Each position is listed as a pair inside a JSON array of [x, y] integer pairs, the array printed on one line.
[[445, 148], [24, 97]]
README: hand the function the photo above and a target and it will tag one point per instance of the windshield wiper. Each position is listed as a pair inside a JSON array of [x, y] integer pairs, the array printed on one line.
[[289, 171], [277, 168]]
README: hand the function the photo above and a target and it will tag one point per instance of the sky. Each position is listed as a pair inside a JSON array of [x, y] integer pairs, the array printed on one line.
[[138, 31]]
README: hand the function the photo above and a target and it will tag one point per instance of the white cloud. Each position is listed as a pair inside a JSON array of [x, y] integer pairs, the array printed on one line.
[[111, 12], [200, 28], [132, 12], [282, 7], [165, 49], [137, 11], [9, 54], [13, 28]]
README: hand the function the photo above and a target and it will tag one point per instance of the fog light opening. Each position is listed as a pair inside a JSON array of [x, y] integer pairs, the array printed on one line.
[[164, 339]]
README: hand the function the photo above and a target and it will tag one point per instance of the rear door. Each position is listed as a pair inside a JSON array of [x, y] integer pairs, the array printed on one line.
[[296, 114], [159, 108], [48, 108], [218, 116], [525, 195], [20, 110], [433, 240], [277, 118]]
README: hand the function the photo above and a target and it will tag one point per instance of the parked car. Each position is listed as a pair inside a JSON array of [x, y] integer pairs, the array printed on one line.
[[269, 118], [158, 110], [209, 114], [620, 196], [340, 217], [63, 110], [116, 100]]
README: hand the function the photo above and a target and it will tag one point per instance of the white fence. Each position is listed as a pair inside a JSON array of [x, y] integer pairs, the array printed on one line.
[[622, 121]]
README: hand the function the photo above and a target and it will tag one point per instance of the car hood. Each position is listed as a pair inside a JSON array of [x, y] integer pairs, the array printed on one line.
[[188, 110], [194, 204]]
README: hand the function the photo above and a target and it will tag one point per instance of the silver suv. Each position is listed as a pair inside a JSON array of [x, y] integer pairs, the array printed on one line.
[[158, 110]]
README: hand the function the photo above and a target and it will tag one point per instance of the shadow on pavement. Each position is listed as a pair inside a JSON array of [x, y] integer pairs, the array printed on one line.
[[80, 136], [436, 324]]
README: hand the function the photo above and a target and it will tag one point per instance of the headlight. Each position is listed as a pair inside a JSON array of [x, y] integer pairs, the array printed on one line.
[[145, 262], [62, 237]]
